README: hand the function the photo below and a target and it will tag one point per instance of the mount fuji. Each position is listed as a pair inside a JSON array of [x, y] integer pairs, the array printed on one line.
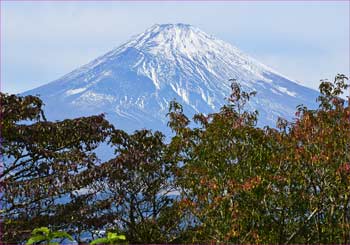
[[134, 83]]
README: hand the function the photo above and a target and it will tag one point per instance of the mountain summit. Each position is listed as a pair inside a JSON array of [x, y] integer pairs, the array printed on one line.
[[134, 83]]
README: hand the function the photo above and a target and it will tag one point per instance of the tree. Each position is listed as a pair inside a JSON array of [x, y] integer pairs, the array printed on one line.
[[137, 187], [243, 184], [220, 170], [224, 180], [316, 159], [44, 162]]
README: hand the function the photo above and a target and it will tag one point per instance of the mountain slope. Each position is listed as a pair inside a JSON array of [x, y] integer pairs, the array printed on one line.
[[134, 83]]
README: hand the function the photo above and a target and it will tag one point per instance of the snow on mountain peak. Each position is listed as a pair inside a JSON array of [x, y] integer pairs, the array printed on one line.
[[189, 48], [135, 82], [184, 42], [176, 39]]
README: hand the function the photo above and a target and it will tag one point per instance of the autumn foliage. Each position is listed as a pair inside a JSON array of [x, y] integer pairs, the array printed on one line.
[[224, 180]]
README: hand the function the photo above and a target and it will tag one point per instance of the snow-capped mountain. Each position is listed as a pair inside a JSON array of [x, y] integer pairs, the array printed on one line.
[[134, 83]]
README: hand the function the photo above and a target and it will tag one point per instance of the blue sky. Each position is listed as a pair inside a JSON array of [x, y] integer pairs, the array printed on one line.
[[41, 41]]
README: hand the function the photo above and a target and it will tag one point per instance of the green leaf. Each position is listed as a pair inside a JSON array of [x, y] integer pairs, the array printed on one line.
[[41, 231], [115, 237], [62, 234], [100, 241], [121, 237], [111, 235], [36, 239]]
